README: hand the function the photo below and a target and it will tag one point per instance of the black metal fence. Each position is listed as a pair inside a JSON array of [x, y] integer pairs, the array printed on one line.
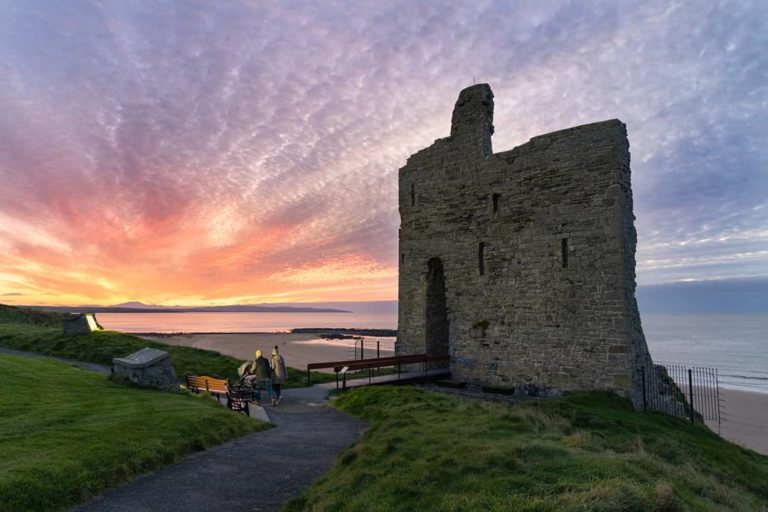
[[673, 388]]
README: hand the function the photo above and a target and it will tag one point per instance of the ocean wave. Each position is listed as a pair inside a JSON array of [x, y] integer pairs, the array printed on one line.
[[746, 377]]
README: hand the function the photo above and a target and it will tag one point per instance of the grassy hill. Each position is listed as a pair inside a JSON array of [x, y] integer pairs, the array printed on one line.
[[11, 314], [100, 347], [67, 434], [41, 332], [429, 452]]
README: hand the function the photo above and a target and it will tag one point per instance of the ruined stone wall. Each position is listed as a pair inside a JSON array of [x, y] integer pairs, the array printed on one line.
[[537, 246]]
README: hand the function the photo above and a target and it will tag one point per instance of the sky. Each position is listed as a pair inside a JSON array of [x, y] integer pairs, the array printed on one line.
[[189, 152]]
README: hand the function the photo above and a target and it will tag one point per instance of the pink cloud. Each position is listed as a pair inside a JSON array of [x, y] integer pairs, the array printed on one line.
[[251, 149]]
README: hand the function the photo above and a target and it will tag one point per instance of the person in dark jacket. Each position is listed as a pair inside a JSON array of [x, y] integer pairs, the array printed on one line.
[[259, 376]]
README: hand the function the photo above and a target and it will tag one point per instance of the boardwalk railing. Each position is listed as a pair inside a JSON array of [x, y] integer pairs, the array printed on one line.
[[686, 392], [370, 364]]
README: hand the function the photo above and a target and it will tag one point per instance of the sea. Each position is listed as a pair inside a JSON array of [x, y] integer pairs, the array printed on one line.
[[736, 345]]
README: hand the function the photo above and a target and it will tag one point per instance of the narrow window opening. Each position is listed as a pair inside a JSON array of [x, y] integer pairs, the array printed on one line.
[[402, 258], [564, 250], [495, 198], [481, 257], [413, 194]]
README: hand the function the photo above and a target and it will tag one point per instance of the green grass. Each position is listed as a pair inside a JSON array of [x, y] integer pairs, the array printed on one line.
[[67, 434], [11, 314], [427, 451], [41, 332], [101, 346]]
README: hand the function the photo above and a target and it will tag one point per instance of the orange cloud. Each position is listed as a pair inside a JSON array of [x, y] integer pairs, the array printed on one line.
[[144, 156]]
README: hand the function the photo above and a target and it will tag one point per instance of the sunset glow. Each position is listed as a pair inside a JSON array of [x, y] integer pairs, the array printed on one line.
[[225, 153]]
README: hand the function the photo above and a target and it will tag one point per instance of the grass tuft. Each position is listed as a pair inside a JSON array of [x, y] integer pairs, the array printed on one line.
[[12, 314], [427, 451]]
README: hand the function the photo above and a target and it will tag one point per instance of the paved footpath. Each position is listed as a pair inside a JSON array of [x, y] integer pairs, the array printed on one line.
[[93, 367], [258, 472]]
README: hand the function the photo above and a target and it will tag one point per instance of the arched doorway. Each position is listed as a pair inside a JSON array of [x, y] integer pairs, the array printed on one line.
[[437, 310]]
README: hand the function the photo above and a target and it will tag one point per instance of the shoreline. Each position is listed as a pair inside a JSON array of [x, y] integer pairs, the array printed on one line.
[[298, 349], [206, 333], [377, 333], [742, 390]]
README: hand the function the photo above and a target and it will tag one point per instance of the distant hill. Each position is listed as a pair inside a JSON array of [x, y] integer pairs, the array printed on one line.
[[138, 307], [365, 307], [725, 297]]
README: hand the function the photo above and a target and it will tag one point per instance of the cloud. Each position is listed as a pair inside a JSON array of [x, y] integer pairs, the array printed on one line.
[[168, 150]]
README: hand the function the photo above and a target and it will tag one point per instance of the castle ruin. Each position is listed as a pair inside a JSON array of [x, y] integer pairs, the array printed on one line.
[[520, 266]]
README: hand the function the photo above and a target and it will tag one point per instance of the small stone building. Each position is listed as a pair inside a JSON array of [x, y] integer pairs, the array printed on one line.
[[520, 265], [149, 367], [80, 323]]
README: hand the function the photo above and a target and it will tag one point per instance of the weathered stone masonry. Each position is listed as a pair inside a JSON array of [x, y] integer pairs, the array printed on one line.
[[521, 265]]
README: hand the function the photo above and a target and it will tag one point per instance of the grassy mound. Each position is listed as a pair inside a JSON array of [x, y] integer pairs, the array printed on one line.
[[11, 314], [101, 346], [41, 332], [426, 451], [67, 434]]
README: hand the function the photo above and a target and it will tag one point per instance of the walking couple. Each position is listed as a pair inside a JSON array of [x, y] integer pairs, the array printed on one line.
[[263, 374]]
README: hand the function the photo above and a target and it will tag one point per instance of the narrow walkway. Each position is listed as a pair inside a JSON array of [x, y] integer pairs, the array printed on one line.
[[258, 472], [414, 377], [93, 367]]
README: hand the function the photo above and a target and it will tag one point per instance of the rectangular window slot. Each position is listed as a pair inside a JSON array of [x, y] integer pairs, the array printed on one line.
[[413, 194], [481, 257], [495, 199], [564, 249]]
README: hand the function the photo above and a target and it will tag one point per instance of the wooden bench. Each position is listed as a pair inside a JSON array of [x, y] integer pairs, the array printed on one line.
[[217, 387], [237, 398]]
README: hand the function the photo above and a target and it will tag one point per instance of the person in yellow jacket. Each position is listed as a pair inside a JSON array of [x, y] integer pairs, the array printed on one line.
[[279, 375]]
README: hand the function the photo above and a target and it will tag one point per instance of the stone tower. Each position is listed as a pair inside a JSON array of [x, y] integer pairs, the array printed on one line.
[[520, 265]]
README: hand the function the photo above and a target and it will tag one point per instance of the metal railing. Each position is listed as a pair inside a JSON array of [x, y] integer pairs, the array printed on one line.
[[686, 392], [370, 364], [363, 345]]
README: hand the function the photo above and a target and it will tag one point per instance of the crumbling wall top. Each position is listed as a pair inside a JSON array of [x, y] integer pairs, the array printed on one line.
[[472, 121]]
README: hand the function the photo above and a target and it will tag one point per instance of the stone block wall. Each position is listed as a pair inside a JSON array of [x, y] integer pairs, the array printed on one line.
[[81, 323], [520, 265], [149, 367]]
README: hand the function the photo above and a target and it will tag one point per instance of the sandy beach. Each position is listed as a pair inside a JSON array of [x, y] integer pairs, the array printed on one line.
[[744, 419], [298, 349], [744, 415]]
